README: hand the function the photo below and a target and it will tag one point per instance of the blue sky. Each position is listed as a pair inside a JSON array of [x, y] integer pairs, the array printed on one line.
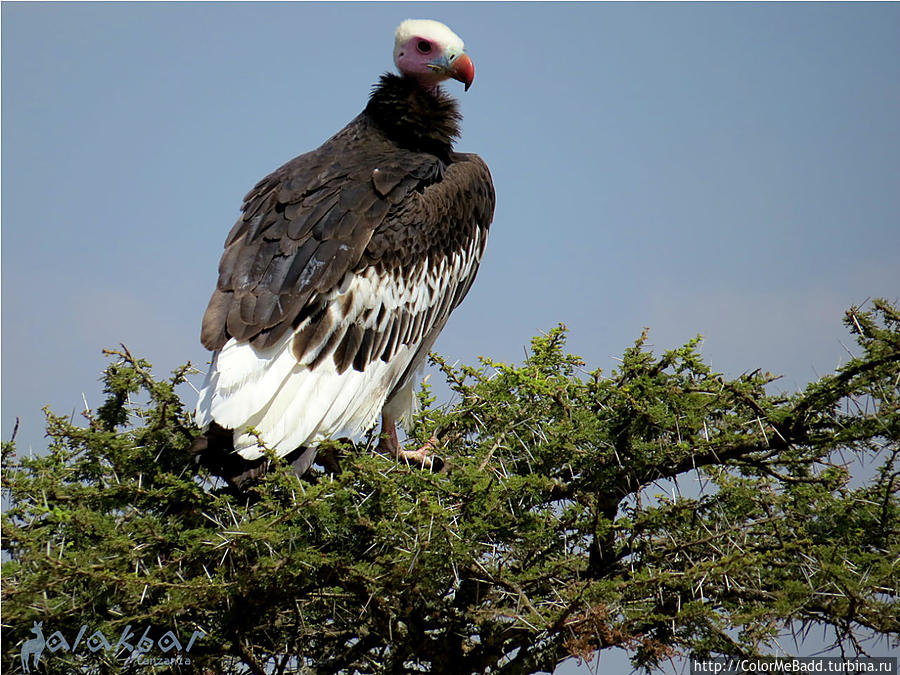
[[725, 169]]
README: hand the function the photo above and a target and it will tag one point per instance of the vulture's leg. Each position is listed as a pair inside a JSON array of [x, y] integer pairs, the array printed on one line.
[[389, 442]]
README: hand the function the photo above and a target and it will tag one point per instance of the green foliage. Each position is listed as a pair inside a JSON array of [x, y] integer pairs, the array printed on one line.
[[664, 508]]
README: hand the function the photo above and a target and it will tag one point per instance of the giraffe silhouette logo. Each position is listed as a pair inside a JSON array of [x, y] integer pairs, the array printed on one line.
[[33, 647]]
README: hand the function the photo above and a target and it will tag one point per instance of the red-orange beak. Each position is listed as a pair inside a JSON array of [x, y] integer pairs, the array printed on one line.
[[462, 69]]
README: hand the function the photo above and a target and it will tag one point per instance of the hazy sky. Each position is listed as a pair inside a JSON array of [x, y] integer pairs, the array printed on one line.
[[725, 169]]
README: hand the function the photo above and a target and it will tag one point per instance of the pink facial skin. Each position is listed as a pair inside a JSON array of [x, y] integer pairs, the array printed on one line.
[[430, 63]]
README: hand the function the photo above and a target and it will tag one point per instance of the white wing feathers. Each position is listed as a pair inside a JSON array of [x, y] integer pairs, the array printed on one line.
[[293, 403]]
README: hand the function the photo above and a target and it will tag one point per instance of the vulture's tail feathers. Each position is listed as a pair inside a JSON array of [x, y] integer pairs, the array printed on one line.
[[214, 450]]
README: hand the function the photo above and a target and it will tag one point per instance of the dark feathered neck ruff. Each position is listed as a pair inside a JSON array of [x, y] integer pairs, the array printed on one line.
[[412, 117]]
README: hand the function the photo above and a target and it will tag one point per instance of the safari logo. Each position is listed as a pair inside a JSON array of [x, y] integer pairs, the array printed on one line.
[[152, 648]]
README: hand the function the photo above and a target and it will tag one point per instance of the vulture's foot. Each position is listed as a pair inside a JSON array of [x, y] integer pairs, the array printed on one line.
[[423, 457]]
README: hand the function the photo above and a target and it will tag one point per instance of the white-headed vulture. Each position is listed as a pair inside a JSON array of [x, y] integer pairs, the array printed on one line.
[[342, 270]]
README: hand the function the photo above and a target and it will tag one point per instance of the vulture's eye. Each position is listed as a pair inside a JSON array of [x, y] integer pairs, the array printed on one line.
[[424, 46]]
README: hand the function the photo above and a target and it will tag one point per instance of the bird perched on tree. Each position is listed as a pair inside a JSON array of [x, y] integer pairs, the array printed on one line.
[[342, 270]]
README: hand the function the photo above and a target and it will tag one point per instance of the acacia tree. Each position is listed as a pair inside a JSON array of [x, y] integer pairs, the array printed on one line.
[[663, 508]]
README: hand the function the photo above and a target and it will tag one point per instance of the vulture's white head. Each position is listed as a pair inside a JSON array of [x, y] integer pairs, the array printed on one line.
[[430, 52]]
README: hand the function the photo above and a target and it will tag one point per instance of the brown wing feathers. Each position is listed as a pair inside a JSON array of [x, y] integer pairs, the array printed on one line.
[[391, 215]]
